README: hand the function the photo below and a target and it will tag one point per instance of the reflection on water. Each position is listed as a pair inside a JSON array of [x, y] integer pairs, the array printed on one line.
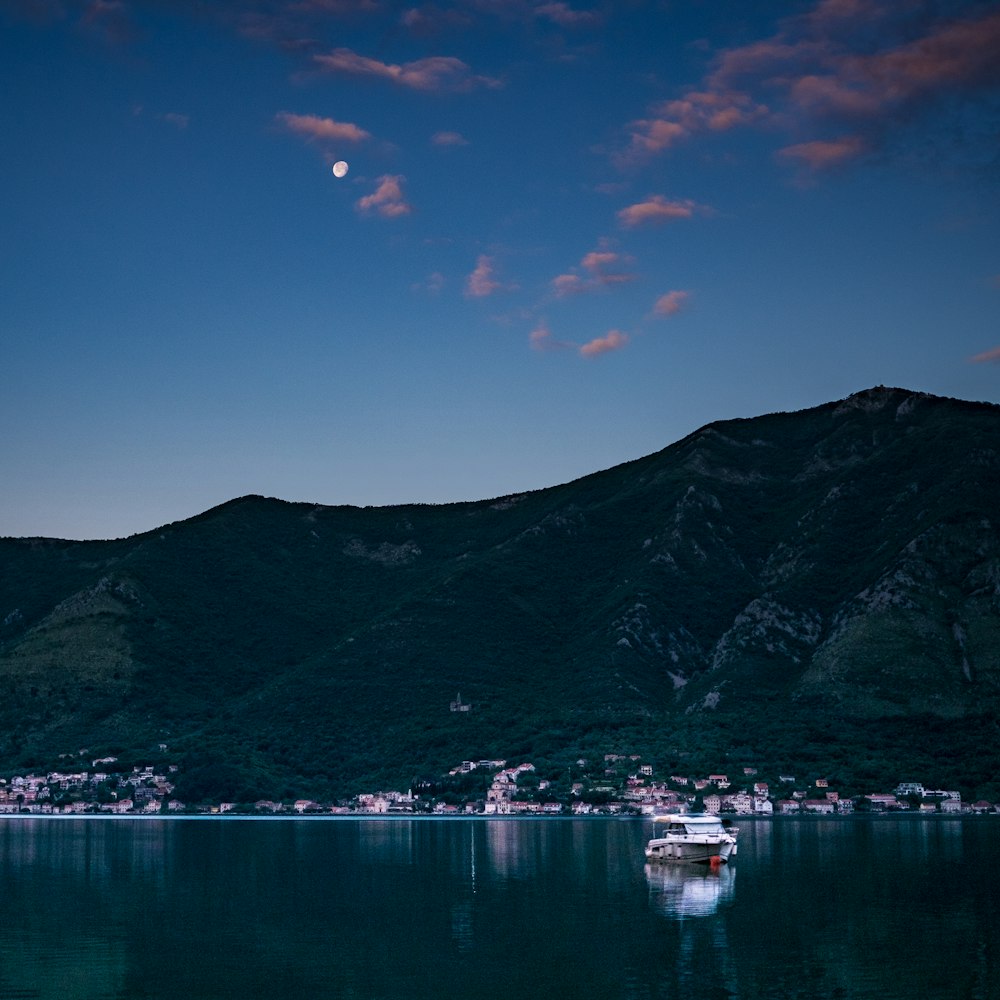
[[123, 909], [679, 891]]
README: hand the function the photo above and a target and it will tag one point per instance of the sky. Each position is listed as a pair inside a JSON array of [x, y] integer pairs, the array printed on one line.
[[570, 234]]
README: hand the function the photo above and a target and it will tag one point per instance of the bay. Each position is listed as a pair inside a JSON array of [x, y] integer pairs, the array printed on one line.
[[548, 908]]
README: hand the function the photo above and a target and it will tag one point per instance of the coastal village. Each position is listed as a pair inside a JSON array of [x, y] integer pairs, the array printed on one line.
[[618, 784]]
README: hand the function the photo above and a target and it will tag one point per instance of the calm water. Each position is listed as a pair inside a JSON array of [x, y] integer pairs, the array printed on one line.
[[893, 908]]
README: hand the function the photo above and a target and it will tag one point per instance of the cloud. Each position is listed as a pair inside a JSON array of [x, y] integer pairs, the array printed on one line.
[[676, 121], [435, 73], [482, 282], [569, 284], [602, 268], [387, 199], [431, 20], [671, 303], [449, 139], [614, 340], [566, 16], [992, 355], [314, 127], [177, 120], [657, 210], [863, 69], [541, 339], [823, 154]]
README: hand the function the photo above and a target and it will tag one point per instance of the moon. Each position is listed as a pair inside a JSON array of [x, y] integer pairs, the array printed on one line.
[[340, 168]]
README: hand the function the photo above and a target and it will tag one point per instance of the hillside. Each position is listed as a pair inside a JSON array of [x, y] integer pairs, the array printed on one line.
[[812, 589]]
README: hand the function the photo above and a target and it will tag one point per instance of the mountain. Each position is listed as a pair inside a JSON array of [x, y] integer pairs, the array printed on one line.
[[818, 590]]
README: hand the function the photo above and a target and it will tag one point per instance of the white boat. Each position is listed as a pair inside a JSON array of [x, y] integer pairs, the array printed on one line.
[[698, 838]]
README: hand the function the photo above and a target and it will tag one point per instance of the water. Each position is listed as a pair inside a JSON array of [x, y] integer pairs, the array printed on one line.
[[379, 909]]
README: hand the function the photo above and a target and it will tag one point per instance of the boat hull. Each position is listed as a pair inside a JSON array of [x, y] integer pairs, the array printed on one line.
[[669, 849]]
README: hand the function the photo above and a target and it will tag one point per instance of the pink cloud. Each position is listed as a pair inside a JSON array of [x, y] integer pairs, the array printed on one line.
[[656, 209], [568, 284], [963, 52], [602, 268], [671, 303], [992, 355], [449, 139], [481, 282], [864, 67], [431, 20], [314, 127], [614, 340], [824, 154], [697, 112], [541, 339], [597, 260], [387, 199], [435, 73], [565, 16]]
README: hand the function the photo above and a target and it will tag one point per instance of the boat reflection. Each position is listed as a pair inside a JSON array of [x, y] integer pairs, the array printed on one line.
[[679, 891]]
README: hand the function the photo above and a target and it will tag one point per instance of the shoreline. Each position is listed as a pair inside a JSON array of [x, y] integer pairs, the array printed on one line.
[[430, 817]]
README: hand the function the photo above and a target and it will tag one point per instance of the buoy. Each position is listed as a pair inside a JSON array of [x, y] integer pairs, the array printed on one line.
[[715, 862]]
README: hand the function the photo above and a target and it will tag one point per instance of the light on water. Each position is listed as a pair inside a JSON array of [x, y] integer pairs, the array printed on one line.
[[379, 909]]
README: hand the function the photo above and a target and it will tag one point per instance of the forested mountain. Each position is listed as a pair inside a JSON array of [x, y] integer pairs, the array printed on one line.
[[818, 589]]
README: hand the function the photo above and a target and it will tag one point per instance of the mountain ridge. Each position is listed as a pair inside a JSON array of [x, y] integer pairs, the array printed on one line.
[[835, 568]]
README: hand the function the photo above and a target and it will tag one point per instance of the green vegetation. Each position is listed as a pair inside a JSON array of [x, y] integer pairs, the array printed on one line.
[[817, 590]]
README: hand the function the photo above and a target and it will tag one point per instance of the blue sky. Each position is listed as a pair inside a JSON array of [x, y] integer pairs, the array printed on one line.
[[570, 234]]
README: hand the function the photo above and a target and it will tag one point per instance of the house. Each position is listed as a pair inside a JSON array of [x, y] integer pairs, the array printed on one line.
[[822, 806], [760, 789], [787, 807], [883, 801], [822, 783], [460, 706], [713, 803], [742, 804], [749, 772], [719, 780], [952, 806]]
